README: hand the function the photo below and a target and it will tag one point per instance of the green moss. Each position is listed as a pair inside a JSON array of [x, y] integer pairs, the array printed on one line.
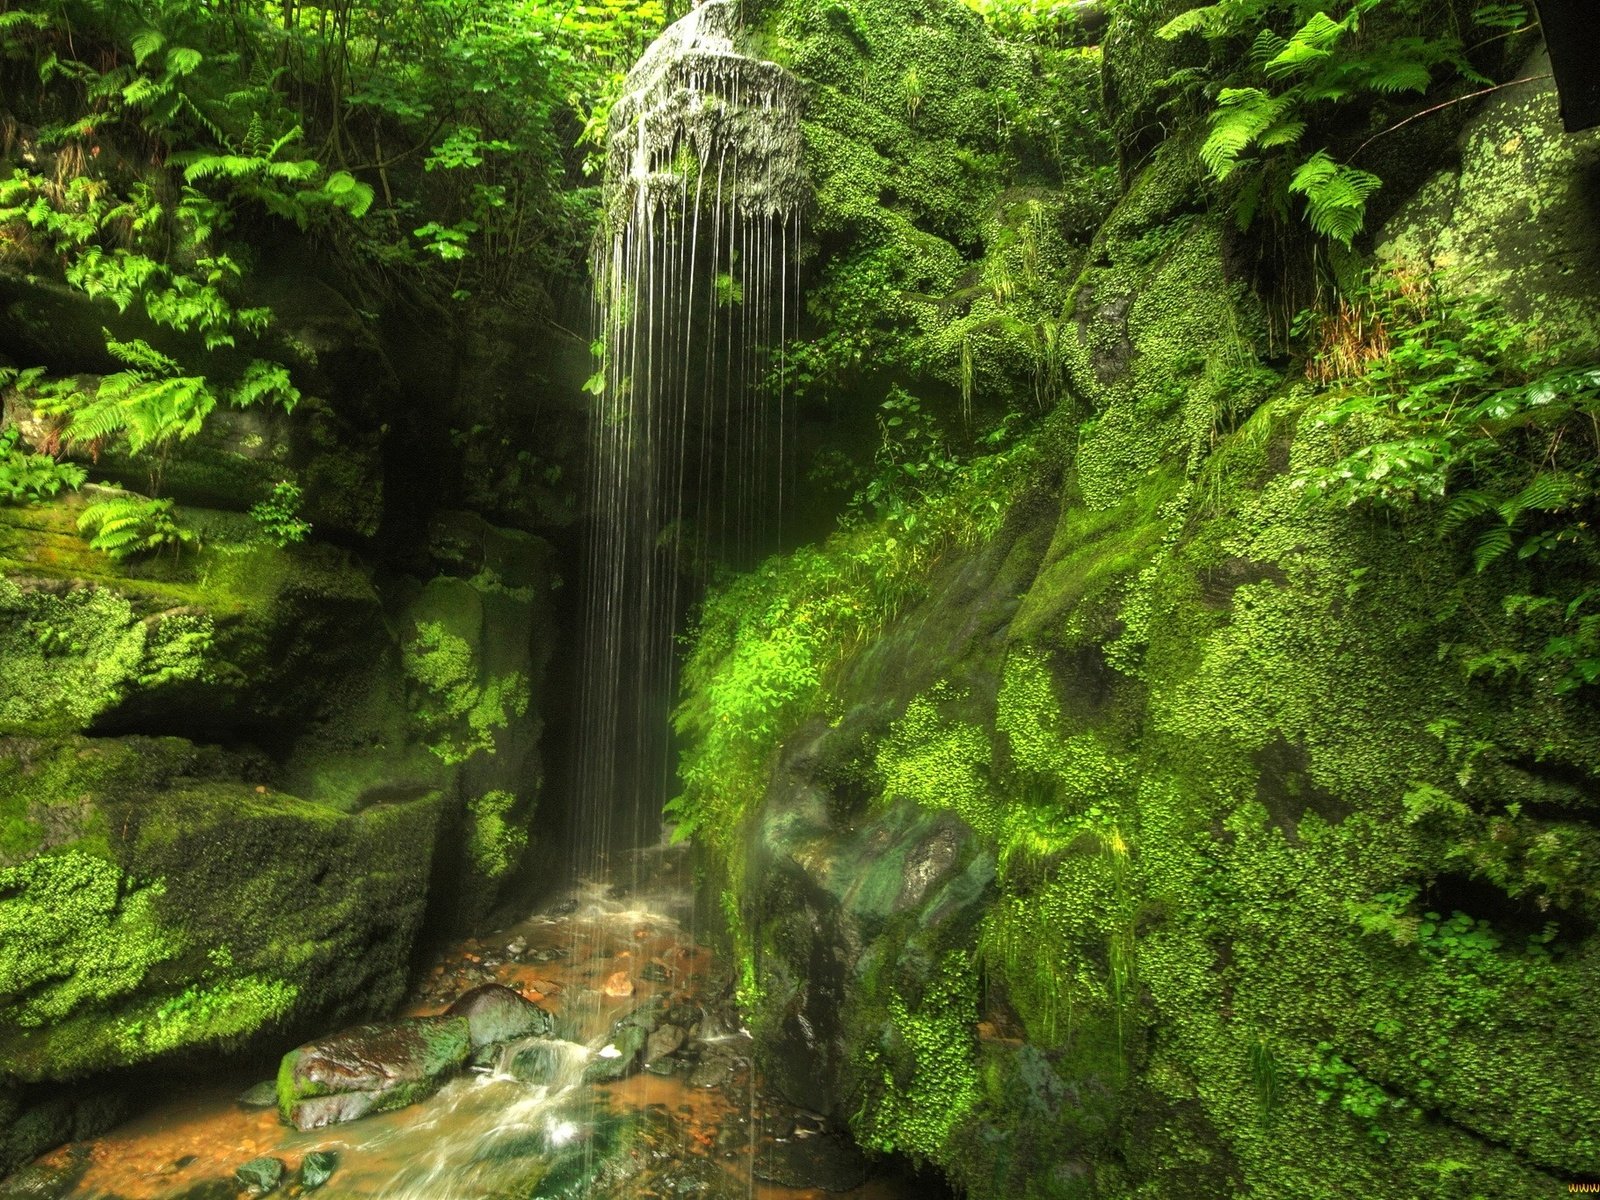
[[496, 845], [1288, 903], [200, 910], [75, 930], [459, 711], [925, 1061], [67, 657]]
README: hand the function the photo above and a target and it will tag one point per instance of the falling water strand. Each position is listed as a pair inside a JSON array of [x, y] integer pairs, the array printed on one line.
[[693, 271]]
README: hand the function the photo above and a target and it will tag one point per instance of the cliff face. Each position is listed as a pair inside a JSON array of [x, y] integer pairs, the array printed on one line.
[[1119, 821], [242, 778]]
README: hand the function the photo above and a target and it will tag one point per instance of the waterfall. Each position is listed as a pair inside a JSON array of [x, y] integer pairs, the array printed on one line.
[[694, 269]]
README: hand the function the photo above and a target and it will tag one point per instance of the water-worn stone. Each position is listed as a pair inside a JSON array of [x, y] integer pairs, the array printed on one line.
[[261, 1175], [46, 1180], [371, 1068], [662, 1042], [317, 1168], [262, 1095], [619, 1057], [825, 1161], [496, 1013]]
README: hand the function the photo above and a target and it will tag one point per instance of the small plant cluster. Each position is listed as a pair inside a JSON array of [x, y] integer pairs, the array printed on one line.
[[1452, 411], [279, 515], [1307, 65], [458, 714], [127, 526], [26, 476]]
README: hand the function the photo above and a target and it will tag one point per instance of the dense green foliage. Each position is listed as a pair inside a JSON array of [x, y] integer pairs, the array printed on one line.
[[150, 150], [1301, 72], [1260, 671]]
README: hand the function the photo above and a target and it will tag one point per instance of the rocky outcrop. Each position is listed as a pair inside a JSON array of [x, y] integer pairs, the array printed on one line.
[[1150, 838]]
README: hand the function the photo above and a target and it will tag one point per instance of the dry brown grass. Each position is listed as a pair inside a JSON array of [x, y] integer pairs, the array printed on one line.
[[1355, 335]]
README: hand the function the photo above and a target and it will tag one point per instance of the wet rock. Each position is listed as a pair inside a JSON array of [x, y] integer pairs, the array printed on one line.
[[684, 1014], [653, 973], [664, 1041], [371, 1068], [826, 1162], [648, 1015], [715, 1066], [517, 947], [262, 1095], [496, 1013], [260, 1175], [317, 1168], [545, 1062], [46, 1180], [618, 985], [619, 1057]]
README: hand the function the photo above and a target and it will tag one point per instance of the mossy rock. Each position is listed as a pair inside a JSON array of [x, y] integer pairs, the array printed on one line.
[[227, 641], [159, 904], [1264, 913], [1515, 219], [370, 1069]]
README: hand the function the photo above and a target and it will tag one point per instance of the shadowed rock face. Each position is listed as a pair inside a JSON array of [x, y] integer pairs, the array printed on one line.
[[699, 117]]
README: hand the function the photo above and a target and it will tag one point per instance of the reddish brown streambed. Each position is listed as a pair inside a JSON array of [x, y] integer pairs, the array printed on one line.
[[693, 1123]]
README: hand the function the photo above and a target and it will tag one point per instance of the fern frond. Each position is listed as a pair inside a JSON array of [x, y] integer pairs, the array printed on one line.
[[1242, 116], [287, 139], [1493, 544], [1547, 492], [1464, 508], [1336, 195], [265, 382], [1205, 20], [125, 525], [145, 43], [1266, 47], [139, 355]]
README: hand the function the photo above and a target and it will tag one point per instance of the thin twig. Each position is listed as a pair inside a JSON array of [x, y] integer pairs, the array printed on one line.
[[1469, 96]]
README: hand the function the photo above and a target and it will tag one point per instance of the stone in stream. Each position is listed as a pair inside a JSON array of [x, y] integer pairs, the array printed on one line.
[[49, 1180], [260, 1175], [668, 1039], [618, 1058], [370, 1068], [262, 1095], [542, 1062], [496, 1013], [316, 1169]]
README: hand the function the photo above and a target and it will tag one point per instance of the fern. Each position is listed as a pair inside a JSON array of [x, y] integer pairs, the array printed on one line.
[[1292, 85], [1336, 196], [26, 477], [265, 382], [126, 526]]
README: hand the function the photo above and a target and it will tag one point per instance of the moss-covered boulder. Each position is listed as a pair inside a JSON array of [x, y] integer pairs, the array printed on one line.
[[496, 1013], [1515, 217], [156, 903], [343, 782], [368, 1069]]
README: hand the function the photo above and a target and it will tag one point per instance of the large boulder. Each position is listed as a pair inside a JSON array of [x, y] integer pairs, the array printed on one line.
[[1515, 217], [495, 1013], [368, 1069]]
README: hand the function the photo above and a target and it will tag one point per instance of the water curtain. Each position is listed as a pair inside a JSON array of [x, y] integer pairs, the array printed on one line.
[[695, 274]]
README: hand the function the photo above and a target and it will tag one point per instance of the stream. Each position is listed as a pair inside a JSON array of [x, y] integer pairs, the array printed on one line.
[[694, 1122]]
